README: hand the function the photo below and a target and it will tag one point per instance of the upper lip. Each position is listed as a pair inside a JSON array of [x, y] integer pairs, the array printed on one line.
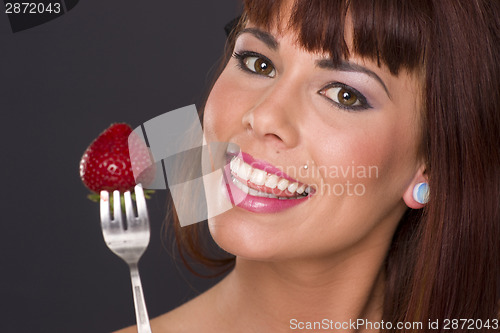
[[263, 165]]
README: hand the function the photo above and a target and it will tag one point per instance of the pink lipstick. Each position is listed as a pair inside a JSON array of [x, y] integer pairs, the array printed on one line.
[[261, 187]]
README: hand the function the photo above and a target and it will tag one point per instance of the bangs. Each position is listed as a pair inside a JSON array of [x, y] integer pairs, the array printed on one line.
[[392, 32]]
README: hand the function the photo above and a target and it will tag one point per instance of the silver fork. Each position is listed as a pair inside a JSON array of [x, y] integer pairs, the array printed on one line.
[[129, 243]]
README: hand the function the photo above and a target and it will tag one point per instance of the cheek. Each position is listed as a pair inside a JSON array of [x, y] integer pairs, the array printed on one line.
[[394, 153], [378, 157], [221, 110]]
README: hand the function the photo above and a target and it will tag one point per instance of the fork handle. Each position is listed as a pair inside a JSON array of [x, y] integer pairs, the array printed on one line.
[[141, 313]]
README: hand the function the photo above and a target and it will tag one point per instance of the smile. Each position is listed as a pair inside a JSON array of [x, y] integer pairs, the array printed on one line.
[[260, 187], [258, 182]]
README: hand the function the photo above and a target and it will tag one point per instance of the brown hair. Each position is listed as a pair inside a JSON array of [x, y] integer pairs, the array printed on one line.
[[444, 260]]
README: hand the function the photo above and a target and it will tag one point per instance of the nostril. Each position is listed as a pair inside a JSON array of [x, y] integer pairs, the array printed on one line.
[[273, 136]]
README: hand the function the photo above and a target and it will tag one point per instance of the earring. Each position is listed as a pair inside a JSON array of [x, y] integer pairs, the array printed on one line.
[[305, 167], [421, 193]]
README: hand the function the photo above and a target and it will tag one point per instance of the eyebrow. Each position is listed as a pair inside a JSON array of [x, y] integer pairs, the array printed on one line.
[[263, 36], [347, 66]]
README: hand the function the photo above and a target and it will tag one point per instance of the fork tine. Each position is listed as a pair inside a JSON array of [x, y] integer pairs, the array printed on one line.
[[105, 214], [129, 208], [117, 207], [128, 243], [142, 210]]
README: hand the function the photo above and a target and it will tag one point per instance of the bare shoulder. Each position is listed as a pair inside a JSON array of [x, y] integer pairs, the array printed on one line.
[[196, 315]]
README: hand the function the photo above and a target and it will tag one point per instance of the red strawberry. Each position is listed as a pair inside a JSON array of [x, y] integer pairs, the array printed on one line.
[[106, 165]]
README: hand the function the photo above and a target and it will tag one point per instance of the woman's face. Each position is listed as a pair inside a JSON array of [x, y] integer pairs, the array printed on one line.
[[356, 127]]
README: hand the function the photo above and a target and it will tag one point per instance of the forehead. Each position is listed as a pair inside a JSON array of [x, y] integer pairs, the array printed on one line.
[[284, 42], [274, 33], [390, 33]]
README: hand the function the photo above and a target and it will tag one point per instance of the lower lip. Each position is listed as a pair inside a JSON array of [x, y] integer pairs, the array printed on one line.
[[256, 204]]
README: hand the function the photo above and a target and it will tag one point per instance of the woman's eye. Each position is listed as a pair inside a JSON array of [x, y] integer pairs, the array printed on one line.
[[259, 66], [256, 63], [344, 96]]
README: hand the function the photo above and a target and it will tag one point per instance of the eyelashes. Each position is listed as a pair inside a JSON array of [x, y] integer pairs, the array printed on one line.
[[339, 94], [345, 96], [255, 63]]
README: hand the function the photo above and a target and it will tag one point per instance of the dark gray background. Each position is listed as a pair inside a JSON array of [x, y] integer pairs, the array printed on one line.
[[62, 83]]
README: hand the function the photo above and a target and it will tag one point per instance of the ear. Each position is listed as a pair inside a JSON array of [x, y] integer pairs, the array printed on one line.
[[420, 177]]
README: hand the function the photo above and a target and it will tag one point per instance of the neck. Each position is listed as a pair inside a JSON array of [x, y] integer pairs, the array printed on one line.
[[289, 294]]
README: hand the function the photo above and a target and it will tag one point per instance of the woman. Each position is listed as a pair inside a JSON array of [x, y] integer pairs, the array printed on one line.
[[385, 118]]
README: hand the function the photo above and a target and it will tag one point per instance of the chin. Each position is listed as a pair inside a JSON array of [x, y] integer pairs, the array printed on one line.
[[244, 239]]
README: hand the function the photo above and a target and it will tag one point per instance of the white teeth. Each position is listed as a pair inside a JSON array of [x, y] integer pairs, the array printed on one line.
[[258, 177], [292, 187], [241, 186], [251, 191], [272, 181], [283, 184], [234, 165], [244, 171]]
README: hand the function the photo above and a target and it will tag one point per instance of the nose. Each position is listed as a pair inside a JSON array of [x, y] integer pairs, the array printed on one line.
[[274, 116]]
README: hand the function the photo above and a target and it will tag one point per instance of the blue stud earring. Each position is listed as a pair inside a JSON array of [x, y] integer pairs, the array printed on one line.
[[421, 193]]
